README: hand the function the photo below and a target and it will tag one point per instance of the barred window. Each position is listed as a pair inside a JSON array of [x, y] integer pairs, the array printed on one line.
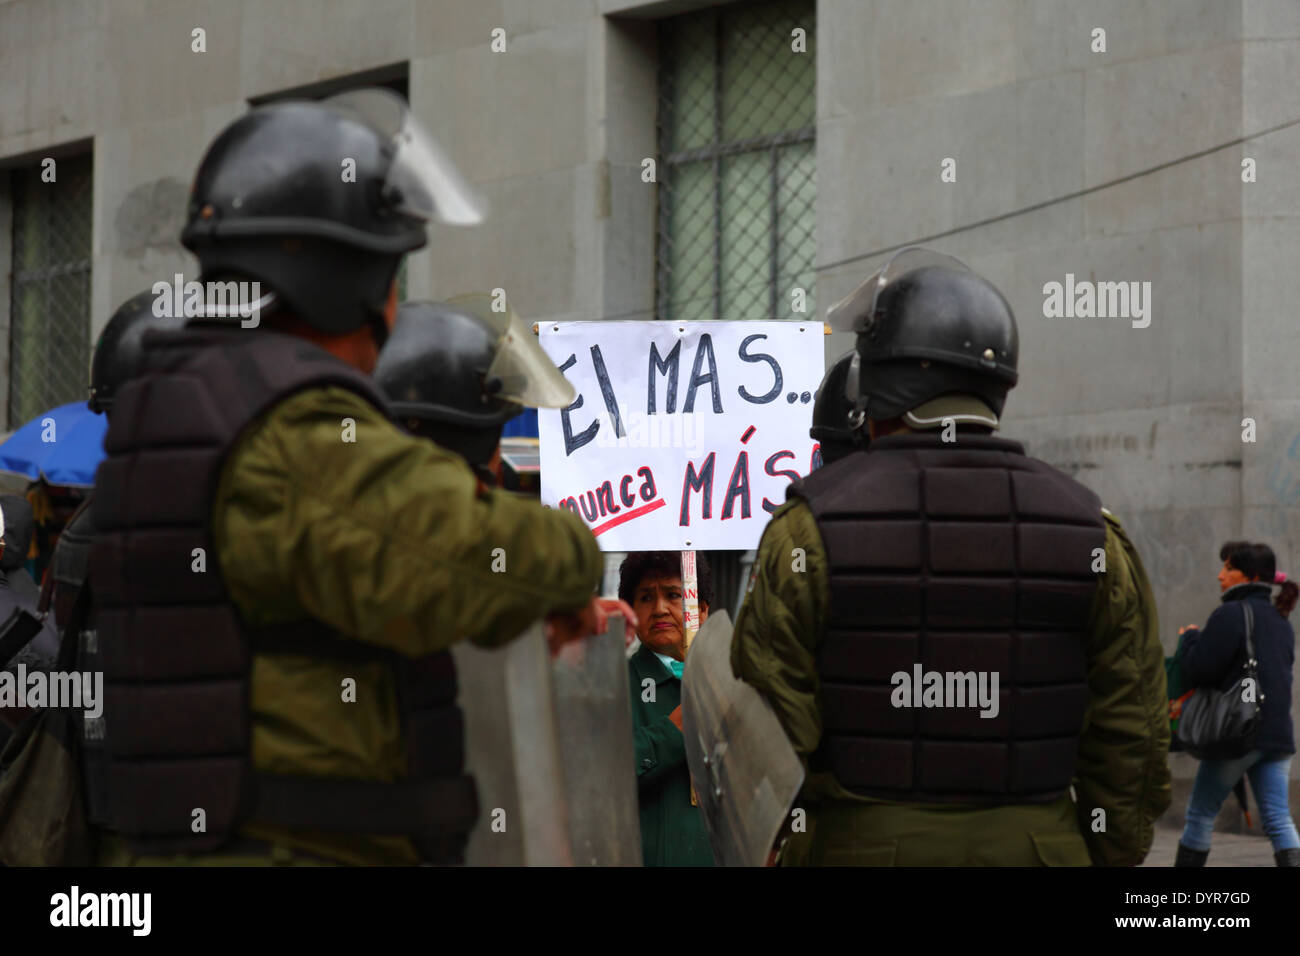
[[49, 314], [737, 165]]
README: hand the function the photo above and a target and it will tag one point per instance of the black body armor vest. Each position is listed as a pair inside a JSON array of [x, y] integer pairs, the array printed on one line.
[[175, 652], [69, 567], [949, 563], [70, 561]]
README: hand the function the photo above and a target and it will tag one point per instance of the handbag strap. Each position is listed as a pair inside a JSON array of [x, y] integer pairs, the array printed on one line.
[[1250, 629]]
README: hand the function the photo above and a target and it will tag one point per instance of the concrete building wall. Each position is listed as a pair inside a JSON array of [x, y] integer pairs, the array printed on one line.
[[1148, 417], [1270, 236], [553, 131], [1151, 418]]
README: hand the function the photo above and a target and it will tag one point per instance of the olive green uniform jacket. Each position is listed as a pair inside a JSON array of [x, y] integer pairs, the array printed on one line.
[[1122, 779], [391, 541], [672, 830]]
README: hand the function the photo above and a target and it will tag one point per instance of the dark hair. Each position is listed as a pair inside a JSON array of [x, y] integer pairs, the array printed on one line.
[[639, 565], [1257, 560]]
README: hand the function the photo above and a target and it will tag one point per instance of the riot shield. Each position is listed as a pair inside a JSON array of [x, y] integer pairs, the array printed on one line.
[[549, 743], [746, 774], [594, 727], [856, 312]]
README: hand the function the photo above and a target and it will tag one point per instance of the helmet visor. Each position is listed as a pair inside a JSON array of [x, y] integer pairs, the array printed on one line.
[[422, 180], [857, 310], [525, 372], [853, 389]]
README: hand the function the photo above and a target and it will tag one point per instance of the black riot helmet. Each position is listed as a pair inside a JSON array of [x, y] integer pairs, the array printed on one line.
[[319, 202], [456, 372], [837, 425], [927, 328], [119, 351]]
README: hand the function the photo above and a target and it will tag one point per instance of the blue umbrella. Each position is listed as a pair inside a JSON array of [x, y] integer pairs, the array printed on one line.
[[64, 446]]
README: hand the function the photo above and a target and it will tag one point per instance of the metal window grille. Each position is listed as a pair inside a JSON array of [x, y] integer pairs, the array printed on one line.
[[737, 166], [49, 315]]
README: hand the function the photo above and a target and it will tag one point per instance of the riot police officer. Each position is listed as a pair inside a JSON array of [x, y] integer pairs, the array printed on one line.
[[838, 426], [116, 357], [455, 372], [278, 570], [968, 658]]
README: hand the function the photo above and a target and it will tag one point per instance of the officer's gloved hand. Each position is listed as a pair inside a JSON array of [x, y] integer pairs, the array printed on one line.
[[592, 619]]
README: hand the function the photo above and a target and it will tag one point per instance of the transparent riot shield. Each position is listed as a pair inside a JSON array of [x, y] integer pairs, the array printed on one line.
[[857, 311], [594, 727], [746, 774], [549, 743]]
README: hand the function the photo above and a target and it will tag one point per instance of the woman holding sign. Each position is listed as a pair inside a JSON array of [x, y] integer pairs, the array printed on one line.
[[672, 827]]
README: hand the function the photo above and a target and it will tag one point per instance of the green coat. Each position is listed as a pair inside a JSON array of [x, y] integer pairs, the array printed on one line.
[[672, 831], [389, 540], [1122, 767]]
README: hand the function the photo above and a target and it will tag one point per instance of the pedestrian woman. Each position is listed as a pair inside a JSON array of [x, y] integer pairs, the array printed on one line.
[[672, 827], [1210, 657]]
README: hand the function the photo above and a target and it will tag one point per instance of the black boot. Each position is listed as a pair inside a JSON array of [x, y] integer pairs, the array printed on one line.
[[1287, 857], [1189, 857]]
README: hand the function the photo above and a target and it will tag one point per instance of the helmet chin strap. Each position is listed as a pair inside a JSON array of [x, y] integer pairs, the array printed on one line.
[[268, 304], [857, 416]]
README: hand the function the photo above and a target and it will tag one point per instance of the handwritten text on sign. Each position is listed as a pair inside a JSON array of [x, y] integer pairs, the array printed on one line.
[[683, 435]]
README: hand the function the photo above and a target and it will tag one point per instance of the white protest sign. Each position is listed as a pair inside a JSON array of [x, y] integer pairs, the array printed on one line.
[[684, 435]]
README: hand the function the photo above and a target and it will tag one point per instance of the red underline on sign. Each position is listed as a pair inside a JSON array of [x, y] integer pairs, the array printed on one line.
[[628, 516]]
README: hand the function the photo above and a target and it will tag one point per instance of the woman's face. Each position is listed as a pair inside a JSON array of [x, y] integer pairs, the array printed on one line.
[[1230, 577], [657, 602]]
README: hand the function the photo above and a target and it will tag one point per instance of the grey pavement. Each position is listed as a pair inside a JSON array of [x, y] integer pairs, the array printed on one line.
[[1227, 849]]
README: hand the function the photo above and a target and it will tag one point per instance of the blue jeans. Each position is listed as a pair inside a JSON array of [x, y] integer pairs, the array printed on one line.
[[1215, 780]]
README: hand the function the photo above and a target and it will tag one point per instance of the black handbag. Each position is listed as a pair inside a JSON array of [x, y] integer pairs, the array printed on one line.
[[1217, 724]]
